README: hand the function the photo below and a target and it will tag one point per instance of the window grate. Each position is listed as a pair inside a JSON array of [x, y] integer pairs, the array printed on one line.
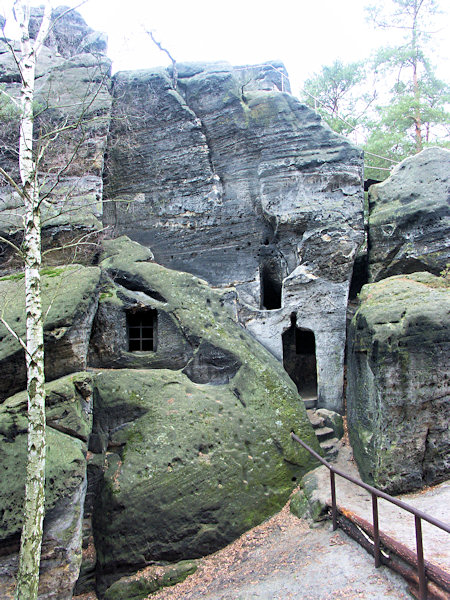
[[141, 328]]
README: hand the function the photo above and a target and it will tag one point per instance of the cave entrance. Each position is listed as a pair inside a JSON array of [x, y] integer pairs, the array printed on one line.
[[141, 330], [299, 358], [271, 282]]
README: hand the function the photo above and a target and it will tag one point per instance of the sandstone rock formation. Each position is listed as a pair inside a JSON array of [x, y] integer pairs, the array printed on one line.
[[222, 174], [69, 422], [398, 382], [227, 177], [409, 221], [72, 98], [182, 459], [246, 215], [70, 303]]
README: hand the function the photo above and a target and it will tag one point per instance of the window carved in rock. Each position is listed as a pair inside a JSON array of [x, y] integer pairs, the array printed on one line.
[[141, 330]]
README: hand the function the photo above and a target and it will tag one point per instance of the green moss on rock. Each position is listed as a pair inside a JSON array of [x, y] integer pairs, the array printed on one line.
[[192, 465], [200, 465], [143, 583], [66, 293], [398, 381], [299, 505], [65, 464], [68, 297]]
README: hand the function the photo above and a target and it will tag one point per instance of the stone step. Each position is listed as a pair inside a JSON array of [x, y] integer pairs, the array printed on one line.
[[310, 402], [330, 448], [315, 419], [324, 433]]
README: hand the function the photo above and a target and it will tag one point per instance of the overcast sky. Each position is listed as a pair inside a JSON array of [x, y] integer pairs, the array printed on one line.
[[304, 34]]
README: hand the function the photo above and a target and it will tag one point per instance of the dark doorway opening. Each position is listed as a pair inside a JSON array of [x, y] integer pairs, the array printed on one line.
[[141, 330], [360, 275], [299, 358], [271, 285]]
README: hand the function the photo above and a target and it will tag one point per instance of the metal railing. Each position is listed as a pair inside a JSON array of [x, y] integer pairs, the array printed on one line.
[[375, 493]]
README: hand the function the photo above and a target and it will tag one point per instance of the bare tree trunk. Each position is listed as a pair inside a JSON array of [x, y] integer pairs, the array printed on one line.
[[30, 546], [417, 115]]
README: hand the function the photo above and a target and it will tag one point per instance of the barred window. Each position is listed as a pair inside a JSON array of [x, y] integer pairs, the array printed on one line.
[[141, 328]]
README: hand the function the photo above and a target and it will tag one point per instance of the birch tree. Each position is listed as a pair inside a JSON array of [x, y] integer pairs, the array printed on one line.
[[31, 540], [29, 185]]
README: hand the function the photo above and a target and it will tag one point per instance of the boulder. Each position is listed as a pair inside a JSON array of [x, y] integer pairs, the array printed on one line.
[[147, 581], [69, 33], [69, 422], [398, 382], [192, 460], [69, 304], [409, 220]]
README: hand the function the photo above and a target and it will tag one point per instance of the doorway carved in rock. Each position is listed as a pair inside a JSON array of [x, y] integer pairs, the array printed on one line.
[[299, 358]]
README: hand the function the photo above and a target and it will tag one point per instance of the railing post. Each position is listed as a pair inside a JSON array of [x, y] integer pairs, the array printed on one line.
[[420, 562], [418, 515], [376, 532], [333, 500]]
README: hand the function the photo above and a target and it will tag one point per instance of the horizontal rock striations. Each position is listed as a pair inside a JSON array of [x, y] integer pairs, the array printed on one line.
[[409, 221], [399, 382], [69, 422], [72, 103], [229, 178], [188, 440], [70, 296]]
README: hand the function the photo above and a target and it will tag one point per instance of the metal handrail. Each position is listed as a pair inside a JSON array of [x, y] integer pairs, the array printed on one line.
[[375, 493]]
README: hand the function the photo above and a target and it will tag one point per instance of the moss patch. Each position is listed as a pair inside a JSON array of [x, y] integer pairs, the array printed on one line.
[[150, 580]]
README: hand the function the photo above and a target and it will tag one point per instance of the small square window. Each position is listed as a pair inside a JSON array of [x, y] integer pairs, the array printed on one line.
[[141, 330]]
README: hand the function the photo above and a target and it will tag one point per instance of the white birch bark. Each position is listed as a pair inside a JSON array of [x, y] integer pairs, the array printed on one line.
[[31, 540]]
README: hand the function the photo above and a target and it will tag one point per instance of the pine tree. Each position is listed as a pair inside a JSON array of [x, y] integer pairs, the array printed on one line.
[[415, 111]]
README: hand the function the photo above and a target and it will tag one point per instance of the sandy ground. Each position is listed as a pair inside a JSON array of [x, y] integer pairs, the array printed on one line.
[[393, 521], [285, 559]]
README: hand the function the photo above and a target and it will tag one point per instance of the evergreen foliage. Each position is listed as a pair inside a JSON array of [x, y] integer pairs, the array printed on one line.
[[394, 105]]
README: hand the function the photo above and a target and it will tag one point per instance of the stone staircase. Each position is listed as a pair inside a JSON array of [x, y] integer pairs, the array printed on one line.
[[325, 434]]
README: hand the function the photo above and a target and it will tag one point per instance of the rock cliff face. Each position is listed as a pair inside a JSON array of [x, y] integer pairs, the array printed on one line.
[[73, 107], [227, 177], [245, 214], [188, 440], [69, 423], [409, 221], [70, 303], [397, 371], [398, 382]]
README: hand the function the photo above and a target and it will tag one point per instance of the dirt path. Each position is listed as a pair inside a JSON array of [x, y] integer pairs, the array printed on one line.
[[284, 559], [394, 521]]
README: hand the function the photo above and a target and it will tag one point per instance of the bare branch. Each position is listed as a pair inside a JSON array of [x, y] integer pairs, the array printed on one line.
[[43, 29], [173, 61], [11, 181], [10, 97], [14, 334], [9, 243], [78, 242]]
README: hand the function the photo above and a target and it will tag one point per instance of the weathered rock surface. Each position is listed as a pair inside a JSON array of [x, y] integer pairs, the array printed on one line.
[[190, 444], [190, 465], [69, 422], [72, 93], [398, 382], [70, 297], [69, 34], [231, 179], [147, 581], [409, 221]]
